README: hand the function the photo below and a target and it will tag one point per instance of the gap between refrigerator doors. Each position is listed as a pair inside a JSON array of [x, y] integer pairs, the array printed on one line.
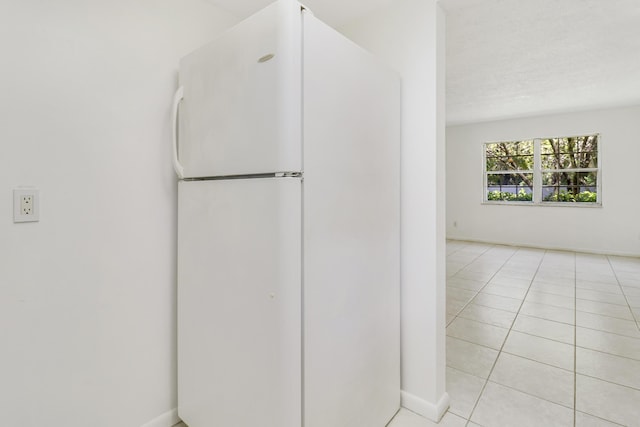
[[251, 176]]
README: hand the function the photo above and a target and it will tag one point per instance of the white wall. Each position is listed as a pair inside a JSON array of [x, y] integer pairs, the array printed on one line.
[[409, 35], [613, 229], [87, 295]]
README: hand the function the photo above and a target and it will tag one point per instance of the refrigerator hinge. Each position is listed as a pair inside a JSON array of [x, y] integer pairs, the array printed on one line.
[[288, 174]]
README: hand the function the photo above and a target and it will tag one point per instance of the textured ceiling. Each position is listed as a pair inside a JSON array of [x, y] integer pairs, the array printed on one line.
[[511, 58], [514, 58]]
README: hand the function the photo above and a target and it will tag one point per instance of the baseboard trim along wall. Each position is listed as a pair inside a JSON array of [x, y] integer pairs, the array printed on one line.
[[168, 419], [424, 408], [549, 247]]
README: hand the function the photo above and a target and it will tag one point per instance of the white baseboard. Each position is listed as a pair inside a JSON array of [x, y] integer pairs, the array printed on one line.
[[547, 247], [168, 419], [434, 412], [408, 401]]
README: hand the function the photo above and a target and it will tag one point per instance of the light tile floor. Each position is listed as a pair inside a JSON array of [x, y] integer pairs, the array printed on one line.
[[539, 338], [542, 338]]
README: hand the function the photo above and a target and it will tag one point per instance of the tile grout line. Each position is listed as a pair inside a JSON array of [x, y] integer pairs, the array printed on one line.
[[462, 247], [484, 386], [575, 335], [533, 395], [470, 262], [515, 355], [602, 419], [605, 315], [609, 382], [483, 286], [469, 302], [595, 350], [477, 292], [633, 314], [606, 352]]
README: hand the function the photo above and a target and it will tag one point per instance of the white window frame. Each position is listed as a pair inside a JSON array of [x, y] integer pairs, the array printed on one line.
[[537, 172]]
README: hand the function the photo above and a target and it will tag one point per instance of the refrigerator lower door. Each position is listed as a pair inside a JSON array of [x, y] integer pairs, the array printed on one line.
[[239, 302]]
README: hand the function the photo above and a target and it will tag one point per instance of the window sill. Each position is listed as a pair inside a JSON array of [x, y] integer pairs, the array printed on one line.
[[547, 204]]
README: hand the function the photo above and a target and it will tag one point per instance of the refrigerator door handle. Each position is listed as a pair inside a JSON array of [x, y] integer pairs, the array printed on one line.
[[177, 98]]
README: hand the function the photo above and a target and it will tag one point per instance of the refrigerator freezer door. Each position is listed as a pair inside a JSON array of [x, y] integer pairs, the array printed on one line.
[[239, 302], [242, 92], [351, 233]]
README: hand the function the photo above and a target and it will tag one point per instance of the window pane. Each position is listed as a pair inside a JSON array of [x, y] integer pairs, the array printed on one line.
[[555, 161], [507, 163], [506, 156], [570, 153], [570, 187], [510, 187]]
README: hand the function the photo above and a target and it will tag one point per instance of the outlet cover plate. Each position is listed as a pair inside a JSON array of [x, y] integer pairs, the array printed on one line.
[[26, 205]]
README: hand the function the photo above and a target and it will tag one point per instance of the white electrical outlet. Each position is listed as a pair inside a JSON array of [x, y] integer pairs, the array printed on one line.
[[26, 205]]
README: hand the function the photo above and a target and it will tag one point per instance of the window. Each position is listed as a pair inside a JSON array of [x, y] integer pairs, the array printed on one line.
[[509, 171], [543, 171]]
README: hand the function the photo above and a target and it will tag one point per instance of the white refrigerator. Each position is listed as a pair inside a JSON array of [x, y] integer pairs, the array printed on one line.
[[287, 151]]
